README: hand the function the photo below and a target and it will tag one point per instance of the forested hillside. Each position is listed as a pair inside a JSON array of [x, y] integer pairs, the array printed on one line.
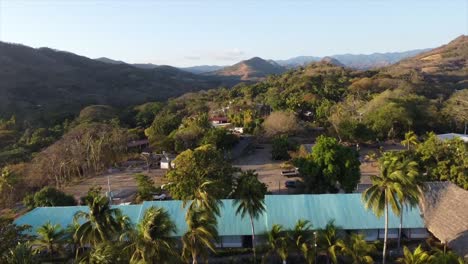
[[353, 106], [45, 85]]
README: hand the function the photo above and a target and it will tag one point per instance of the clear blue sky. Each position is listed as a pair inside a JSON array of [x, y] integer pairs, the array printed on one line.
[[222, 32]]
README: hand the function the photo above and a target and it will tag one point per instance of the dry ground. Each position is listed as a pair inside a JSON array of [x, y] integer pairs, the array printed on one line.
[[269, 171], [122, 183]]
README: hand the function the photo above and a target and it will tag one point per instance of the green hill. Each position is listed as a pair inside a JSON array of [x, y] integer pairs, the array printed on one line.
[[44, 84]]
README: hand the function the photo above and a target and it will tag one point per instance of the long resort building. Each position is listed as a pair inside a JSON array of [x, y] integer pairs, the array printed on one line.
[[346, 210]]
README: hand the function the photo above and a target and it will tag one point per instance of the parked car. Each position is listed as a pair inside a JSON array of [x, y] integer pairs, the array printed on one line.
[[290, 184], [290, 173]]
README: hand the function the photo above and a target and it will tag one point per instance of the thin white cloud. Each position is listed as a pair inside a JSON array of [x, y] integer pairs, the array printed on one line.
[[229, 55]]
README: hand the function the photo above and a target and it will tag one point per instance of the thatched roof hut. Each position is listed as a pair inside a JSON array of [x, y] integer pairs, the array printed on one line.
[[445, 210]]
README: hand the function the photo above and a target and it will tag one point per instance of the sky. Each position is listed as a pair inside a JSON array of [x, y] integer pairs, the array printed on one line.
[[223, 32]]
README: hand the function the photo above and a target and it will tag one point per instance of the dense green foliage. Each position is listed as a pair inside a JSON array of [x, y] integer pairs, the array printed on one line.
[[280, 148], [328, 164], [10, 235], [194, 167], [48, 196], [145, 188], [443, 160]]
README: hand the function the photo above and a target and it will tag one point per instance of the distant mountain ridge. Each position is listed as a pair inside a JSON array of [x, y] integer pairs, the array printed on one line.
[[202, 68], [46, 84], [355, 61], [253, 69]]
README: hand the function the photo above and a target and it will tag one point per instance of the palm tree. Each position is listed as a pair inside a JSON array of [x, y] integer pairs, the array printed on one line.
[[102, 223], [106, 253], [71, 239], [411, 139], [300, 236], [22, 254], [200, 236], [152, 241], [249, 196], [203, 200], [301, 232], [328, 237], [50, 239], [412, 186], [385, 190], [356, 248], [202, 224], [278, 242], [445, 257], [419, 256], [309, 251]]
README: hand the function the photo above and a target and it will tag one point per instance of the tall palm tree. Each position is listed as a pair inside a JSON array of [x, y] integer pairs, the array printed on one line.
[[355, 248], [50, 239], [411, 139], [385, 192], [249, 195], [102, 223], [200, 236], [418, 256], [71, 239], [278, 242], [203, 200], [412, 185], [152, 240]]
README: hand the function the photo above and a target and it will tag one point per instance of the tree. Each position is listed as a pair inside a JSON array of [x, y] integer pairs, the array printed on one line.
[[300, 236], [328, 164], [21, 254], [152, 242], [328, 237], [50, 239], [102, 223], [200, 236], [411, 139], [278, 242], [145, 188], [106, 253], [220, 137], [10, 236], [194, 167], [385, 191], [412, 184], [280, 147], [418, 256], [249, 198], [8, 180], [355, 249], [49, 196], [281, 123], [444, 160], [445, 257], [456, 108]]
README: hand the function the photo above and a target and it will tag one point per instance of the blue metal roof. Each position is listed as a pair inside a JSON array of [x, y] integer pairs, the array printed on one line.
[[346, 209]]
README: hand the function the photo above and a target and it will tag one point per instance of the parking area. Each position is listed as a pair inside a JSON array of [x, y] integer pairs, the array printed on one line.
[[122, 183], [269, 171]]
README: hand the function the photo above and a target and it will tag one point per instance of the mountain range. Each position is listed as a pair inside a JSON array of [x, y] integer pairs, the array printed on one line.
[[257, 68], [47, 83], [44, 84]]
